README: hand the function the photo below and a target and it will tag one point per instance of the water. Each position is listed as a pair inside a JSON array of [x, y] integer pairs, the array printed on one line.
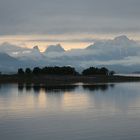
[[130, 74], [84, 112]]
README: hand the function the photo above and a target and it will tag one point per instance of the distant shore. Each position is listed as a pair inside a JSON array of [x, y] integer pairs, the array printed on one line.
[[59, 80]]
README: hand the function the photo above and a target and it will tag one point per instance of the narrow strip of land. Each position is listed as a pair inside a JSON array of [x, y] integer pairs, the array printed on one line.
[[55, 79]]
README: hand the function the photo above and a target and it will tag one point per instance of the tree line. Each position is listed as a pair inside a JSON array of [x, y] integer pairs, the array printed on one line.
[[97, 71], [66, 70]]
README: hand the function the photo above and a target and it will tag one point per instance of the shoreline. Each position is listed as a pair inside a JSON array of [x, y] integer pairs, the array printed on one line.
[[63, 80]]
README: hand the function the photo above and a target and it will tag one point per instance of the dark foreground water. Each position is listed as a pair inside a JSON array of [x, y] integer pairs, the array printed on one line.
[[98, 112]]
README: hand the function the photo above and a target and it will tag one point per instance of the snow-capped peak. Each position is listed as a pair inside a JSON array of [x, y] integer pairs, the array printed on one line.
[[122, 38], [54, 48], [36, 49]]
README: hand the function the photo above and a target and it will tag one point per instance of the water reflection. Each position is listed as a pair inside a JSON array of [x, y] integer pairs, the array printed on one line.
[[70, 112], [103, 96], [20, 87], [52, 88], [101, 87], [62, 88]]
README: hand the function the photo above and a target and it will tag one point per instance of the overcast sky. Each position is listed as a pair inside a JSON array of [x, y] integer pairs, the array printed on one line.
[[61, 18]]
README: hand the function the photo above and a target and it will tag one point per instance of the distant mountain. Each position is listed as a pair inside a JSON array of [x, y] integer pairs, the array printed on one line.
[[33, 58], [35, 53], [118, 48], [122, 39], [54, 48], [8, 63], [11, 49], [6, 58], [35, 49], [120, 54]]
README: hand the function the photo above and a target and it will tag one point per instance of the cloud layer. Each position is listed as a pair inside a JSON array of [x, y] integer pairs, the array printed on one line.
[[120, 54], [69, 16]]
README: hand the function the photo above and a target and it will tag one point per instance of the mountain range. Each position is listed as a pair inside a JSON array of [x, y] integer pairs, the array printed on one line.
[[120, 54]]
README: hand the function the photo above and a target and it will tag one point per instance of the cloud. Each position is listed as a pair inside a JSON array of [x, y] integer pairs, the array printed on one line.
[[120, 54], [68, 40], [13, 50], [68, 16]]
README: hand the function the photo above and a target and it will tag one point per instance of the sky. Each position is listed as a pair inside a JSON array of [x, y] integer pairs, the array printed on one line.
[[72, 23]]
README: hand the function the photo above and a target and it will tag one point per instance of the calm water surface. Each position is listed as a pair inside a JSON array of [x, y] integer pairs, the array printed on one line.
[[84, 112]]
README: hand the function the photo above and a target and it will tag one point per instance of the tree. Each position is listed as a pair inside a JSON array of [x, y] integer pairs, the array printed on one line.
[[66, 70], [104, 71], [90, 71], [36, 71], [28, 71], [111, 73], [20, 71], [95, 71]]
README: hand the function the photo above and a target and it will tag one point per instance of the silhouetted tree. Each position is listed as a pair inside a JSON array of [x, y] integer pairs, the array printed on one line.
[[90, 71], [36, 71], [28, 71], [111, 73], [20, 71], [59, 71], [104, 71], [66, 70], [96, 71]]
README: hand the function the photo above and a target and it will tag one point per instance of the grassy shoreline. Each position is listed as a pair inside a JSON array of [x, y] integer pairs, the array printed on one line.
[[60, 80]]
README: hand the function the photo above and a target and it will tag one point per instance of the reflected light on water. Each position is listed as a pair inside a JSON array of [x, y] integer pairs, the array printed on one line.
[[42, 99], [103, 112], [78, 101], [30, 99]]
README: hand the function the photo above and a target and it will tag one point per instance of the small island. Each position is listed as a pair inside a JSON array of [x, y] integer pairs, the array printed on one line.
[[64, 75]]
